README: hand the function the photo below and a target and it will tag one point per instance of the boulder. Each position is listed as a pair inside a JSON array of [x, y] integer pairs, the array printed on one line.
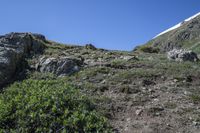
[[182, 55], [60, 66], [90, 46], [129, 58], [13, 48]]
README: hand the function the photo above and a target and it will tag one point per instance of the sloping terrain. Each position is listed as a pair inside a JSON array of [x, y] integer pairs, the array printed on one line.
[[183, 35], [117, 91]]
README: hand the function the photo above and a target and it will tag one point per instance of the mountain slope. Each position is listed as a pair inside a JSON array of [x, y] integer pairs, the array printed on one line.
[[84, 89], [183, 35]]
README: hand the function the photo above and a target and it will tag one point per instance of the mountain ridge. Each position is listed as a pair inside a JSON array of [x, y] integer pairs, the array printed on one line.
[[178, 25], [185, 35]]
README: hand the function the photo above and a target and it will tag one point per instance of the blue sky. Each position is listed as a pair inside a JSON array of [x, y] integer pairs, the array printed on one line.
[[110, 24]]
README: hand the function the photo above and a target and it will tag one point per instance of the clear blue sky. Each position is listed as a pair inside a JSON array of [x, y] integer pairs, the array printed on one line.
[[110, 24]]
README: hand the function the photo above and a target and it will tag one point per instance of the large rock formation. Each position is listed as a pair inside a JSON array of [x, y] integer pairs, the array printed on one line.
[[13, 48], [61, 66], [182, 55]]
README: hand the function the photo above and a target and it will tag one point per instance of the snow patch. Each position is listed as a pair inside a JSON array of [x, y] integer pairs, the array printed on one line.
[[193, 17], [170, 29], [178, 25]]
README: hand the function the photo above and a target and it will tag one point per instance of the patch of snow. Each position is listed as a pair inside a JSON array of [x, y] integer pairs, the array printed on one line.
[[193, 17], [178, 25], [170, 29]]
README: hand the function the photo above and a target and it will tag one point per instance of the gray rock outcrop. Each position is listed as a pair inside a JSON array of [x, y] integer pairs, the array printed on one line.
[[90, 46], [182, 55], [60, 66], [13, 48]]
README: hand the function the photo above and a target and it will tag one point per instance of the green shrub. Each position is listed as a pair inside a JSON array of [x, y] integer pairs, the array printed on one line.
[[117, 63], [149, 49], [135, 73], [42, 76], [48, 106], [92, 72]]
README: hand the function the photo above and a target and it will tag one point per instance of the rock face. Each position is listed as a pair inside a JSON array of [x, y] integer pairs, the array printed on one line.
[[61, 66], [13, 48], [182, 55]]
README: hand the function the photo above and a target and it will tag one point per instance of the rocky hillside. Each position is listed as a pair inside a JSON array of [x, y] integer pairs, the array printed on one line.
[[183, 35], [51, 87], [14, 48]]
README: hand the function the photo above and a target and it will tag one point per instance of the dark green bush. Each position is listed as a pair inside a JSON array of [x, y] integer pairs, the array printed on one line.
[[48, 106], [149, 49]]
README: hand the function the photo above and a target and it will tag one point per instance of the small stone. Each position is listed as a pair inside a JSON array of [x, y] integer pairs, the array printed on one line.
[[162, 77], [156, 100], [103, 82], [84, 78], [157, 114], [150, 90], [144, 88], [195, 123], [185, 93], [128, 119], [138, 112], [175, 80]]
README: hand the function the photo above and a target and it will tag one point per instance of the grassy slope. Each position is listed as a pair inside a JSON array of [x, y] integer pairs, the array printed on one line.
[[121, 87]]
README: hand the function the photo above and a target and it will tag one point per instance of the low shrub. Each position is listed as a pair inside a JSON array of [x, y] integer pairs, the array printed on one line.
[[48, 106], [149, 49]]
